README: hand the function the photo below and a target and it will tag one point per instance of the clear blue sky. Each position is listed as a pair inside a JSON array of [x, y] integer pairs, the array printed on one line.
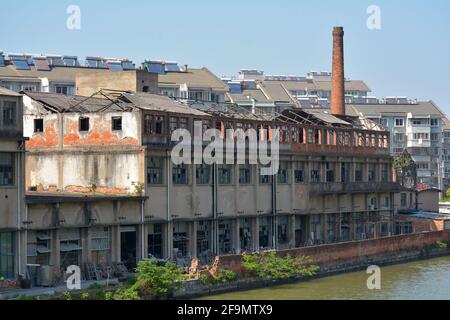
[[409, 56]]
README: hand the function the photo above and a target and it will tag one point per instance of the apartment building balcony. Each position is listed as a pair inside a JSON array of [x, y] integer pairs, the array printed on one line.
[[419, 143], [354, 187]]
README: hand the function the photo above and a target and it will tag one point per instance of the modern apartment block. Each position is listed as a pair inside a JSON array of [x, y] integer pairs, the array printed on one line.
[[12, 205], [415, 126]]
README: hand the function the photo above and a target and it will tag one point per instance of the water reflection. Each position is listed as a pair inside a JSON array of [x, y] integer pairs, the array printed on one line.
[[427, 279]]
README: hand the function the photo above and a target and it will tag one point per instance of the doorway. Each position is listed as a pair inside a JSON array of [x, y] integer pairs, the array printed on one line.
[[128, 239]]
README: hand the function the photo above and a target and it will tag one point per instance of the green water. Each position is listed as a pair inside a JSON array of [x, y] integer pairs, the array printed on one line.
[[426, 279]]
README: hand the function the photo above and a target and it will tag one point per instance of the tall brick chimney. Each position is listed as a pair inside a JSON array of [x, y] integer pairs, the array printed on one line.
[[338, 84]]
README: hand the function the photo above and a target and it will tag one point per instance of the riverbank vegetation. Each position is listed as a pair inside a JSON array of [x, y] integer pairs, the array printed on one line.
[[271, 266]]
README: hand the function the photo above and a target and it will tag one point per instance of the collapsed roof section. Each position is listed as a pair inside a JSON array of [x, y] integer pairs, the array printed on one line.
[[124, 101]]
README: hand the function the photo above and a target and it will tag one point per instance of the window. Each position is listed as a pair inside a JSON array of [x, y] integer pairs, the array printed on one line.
[[62, 90], [155, 171], [283, 173], [38, 125], [173, 124], [384, 173], [330, 166], [423, 136], [399, 137], [435, 137], [224, 174], [408, 228], [100, 245], [159, 125], [263, 179], [180, 174], [244, 174], [315, 172], [372, 172], [399, 122], [358, 172], [434, 122], [6, 169], [155, 240], [9, 113], [299, 172], [117, 123], [345, 172], [386, 202], [84, 124], [203, 173], [7, 256], [403, 200]]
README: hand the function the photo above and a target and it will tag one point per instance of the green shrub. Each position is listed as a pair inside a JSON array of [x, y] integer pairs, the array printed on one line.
[[441, 245], [123, 294], [269, 265], [156, 280]]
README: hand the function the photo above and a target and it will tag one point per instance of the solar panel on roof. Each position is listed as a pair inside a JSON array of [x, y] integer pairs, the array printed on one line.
[[128, 65], [2, 60], [56, 61], [155, 67], [21, 63], [115, 66], [41, 64], [172, 67]]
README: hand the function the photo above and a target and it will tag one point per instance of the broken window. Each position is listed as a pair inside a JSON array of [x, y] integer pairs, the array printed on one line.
[[70, 247], [148, 124], [6, 169], [117, 123], [371, 172], [283, 172], [225, 237], [244, 174], [100, 245], [224, 174], [7, 256], [315, 172], [180, 174], [9, 113], [84, 124], [155, 241], [358, 172], [155, 171], [38, 125], [384, 173], [345, 172], [181, 238], [330, 168], [203, 173], [299, 172], [159, 125], [203, 241], [264, 179]]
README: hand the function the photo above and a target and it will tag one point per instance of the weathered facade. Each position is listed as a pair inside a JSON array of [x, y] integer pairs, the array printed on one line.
[[12, 188], [334, 184]]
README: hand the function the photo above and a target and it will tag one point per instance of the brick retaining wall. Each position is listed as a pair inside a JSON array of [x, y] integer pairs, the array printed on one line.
[[350, 255]]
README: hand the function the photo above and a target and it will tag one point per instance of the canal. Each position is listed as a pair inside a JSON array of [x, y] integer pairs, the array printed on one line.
[[425, 279]]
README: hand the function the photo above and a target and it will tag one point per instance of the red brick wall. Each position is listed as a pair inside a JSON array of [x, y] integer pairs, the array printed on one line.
[[422, 225], [353, 253]]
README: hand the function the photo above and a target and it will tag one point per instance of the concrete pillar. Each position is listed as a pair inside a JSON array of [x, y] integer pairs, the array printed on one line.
[[255, 233], [85, 245], [193, 226], [115, 244], [291, 233], [235, 235], [324, 227], [55, 258]]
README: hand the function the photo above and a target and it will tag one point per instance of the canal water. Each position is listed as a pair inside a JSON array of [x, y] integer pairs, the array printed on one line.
[[425, 279]]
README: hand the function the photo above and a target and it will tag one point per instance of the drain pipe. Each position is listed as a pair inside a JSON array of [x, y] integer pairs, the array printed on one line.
[[142, 230]]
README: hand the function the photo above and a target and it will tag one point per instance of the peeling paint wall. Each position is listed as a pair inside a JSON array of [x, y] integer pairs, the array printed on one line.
[[71, 160]]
